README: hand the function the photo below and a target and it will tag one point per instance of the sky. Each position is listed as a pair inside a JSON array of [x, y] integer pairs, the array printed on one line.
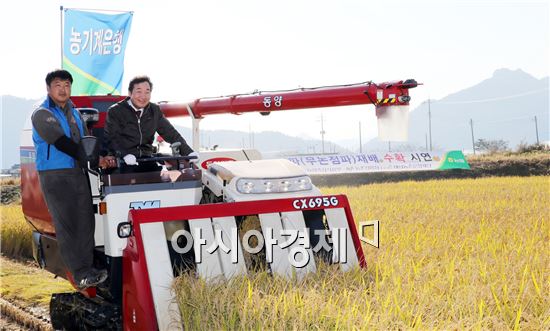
[[194, 49]]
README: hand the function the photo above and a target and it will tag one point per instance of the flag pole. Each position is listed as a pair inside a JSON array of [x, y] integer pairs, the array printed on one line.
[[61, 28]]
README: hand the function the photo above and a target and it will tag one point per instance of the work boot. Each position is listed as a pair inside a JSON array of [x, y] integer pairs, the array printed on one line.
[[93, 278]]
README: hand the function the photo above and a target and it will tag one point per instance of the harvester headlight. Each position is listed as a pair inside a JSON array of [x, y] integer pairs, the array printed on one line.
[[246, 186], [273, 185], [268, 186], [284, 185], [304, 183]]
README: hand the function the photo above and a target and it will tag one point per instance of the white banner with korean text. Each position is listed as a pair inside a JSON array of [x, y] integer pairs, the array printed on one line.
[[379, 162]]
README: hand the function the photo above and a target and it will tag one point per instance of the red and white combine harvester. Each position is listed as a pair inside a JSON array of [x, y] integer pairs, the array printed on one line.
[[152, 227]]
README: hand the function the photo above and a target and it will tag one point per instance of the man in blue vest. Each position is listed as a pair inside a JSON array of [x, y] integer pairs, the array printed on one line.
[[57, 130]]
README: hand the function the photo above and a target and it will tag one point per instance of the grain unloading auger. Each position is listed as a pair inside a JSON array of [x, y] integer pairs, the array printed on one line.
[[390, 98], [233, 214]]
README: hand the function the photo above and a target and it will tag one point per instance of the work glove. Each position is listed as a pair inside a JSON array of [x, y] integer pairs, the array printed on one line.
[[194, 154], [130, 159]]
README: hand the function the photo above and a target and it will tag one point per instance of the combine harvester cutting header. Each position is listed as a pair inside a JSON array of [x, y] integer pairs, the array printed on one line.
[[151, 227]]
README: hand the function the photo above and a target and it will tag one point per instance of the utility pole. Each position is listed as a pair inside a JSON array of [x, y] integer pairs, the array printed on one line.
[[360, 143], [473, 141], [426, 135], [389, 146], [250, 136], [430, 121], [537, 130], [322, 135]]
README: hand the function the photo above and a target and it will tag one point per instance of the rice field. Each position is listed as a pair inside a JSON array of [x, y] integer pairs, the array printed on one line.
[[15, 232], [455, 254]]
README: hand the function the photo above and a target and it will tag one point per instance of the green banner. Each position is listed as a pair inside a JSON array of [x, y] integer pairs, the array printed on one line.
[[454, 160]]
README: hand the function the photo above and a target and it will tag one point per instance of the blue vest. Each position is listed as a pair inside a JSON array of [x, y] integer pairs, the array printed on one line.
[[48, 157]]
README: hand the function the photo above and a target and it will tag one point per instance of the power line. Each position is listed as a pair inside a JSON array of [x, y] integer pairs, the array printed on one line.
[[537, 130], [473, 140]]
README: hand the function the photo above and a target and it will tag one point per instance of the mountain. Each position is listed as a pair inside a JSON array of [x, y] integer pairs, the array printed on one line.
[[501, 107], [13, 113], [270, 143]]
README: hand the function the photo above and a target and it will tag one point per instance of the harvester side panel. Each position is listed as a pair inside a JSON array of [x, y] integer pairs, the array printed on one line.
[[161, 276], [137, 301], [230, 268], [280, 263], [210, 268], [335, 219], [294, 220]]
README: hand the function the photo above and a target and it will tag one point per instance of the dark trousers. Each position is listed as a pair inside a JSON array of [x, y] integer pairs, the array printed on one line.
[[69, 201]]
